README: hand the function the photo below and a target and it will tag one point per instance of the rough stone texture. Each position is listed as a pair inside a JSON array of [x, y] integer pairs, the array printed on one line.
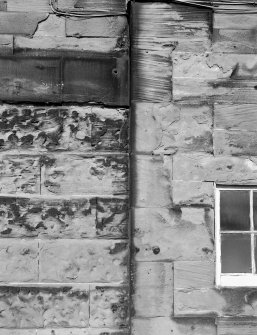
[[112, 217], [94, 6], [167, 128], [96, 27], [20, 23], [210, 302], [235, 143], [167, 326], [225, 169], [109, 306], [19, 174], [108, 82], [28, 6], [153, 285], [235, 117], [160, 234], [78, 174], [83, 261], [18, 261], [31, 307], [56, 45], [151, 181], [194, 274], [234, 41], [78, 331], [52, 128], [213, 66], [236, 326], [187, 193], [72, 217], [6, 45]]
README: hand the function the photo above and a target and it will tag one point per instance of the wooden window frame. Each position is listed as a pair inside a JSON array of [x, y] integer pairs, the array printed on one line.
[[234, 279]]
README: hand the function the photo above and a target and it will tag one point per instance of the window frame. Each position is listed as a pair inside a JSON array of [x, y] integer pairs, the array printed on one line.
[[233, 279]]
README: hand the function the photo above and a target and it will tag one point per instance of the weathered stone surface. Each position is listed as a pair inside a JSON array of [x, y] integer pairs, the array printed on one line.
[[234, 41], [237, 326], [72, 217], [19, 174], [77, 331], [234, 21], [33, 307], [83, 261], [166, 235], [26, 79], [213, 66], [102, 6], [210, 301], [62, 128], [6, 45], [222, 90], [18, 261], [235, 117], [151, 181], [28, 6], [167, 128], [3, 5], [225, 169], [53, 26], [50, 218], [112, 217], [167, 326], [98, 79], [187, 193], [78, 174], [18, 331], [235, 143], [194, 274], [20, 23], [56, 45], [153, 289], [109, 306], [96, 27]]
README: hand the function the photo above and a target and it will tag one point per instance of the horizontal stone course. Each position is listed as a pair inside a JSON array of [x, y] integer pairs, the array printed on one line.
[[97, 27], [40, 79], [41, 128], [178, 326], [222, 169], [166, 235], [33, 307], [83, 261], [71, 217]]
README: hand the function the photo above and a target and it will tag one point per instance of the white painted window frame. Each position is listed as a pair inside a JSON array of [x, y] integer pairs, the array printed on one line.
[[233, 279]]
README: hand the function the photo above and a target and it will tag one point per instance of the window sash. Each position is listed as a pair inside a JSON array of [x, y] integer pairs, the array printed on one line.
[[234, 279]]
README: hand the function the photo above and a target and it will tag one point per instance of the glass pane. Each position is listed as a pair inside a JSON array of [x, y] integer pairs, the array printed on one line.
[[235, 253], [255, 210], [234, 210]]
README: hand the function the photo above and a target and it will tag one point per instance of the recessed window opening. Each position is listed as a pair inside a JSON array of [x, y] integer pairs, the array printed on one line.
[[236, 236]]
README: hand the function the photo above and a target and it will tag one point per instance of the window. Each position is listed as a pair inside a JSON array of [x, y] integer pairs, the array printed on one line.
[[236, 236]]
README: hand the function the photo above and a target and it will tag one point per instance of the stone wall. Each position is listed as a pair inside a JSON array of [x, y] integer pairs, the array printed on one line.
[[194, 115], [64, 229]]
